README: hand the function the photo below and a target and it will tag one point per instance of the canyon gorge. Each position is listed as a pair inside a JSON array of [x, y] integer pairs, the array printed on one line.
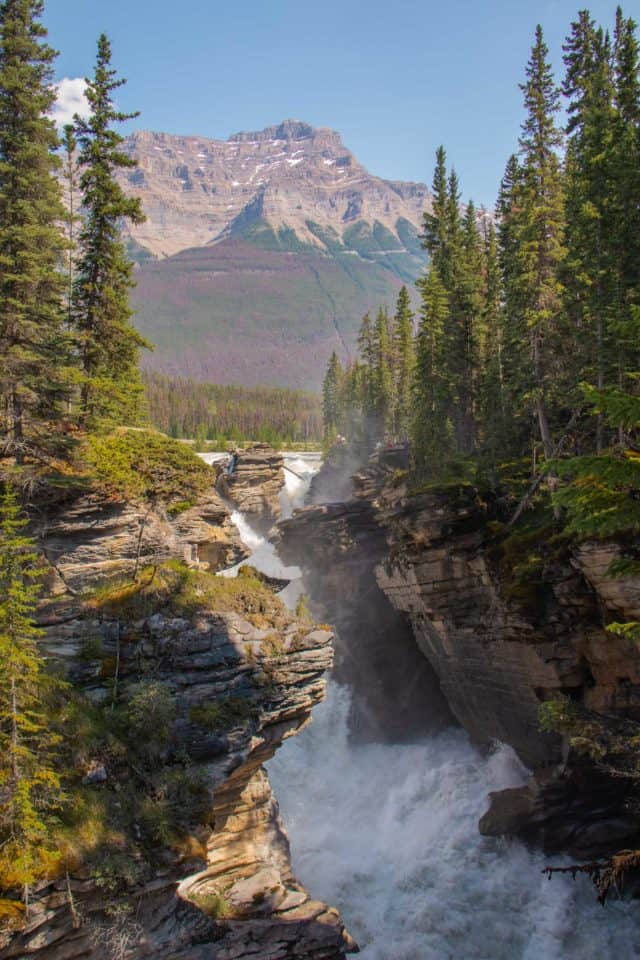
[[424, 784]]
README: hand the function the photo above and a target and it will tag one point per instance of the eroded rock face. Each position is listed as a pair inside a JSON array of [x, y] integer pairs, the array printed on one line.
[[496, 656], [229, 892], [254, 484], [395, 693], [245, 850], [93, 540]]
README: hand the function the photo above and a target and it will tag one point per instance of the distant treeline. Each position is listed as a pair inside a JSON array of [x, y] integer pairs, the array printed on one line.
[[183, 407]]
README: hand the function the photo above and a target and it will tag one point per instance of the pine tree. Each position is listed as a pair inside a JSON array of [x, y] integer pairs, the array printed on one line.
[[404, 353], [110, 346], [368, 362], [626, 192], [70, 173], [434, 236], [29, 783], [537, 225], [494, 417], [383, 381], [516, 358], [33, 347], [465, 357], [332, 397], [431, 427], [590, 271]]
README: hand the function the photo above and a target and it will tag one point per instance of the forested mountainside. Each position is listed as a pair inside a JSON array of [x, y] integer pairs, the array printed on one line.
[[259, 254]]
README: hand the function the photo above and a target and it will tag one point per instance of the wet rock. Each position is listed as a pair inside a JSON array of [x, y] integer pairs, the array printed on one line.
[[254, 484], [91, 540]]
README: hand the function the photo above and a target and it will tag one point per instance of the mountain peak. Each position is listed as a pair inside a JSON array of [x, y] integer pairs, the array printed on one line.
[[287, 130]]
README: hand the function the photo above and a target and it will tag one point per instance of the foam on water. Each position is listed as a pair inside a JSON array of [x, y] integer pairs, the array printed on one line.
[[389, 835], [263, 555]]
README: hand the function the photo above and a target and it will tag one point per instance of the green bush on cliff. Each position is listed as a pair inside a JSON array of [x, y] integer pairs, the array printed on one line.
[[214, 903], [146, 465], [223, 714], [177, 590]]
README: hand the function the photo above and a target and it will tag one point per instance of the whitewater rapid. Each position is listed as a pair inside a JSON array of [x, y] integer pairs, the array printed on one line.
[[389, 835]]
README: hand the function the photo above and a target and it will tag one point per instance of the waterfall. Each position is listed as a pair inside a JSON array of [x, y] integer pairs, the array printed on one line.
[[388, 834]]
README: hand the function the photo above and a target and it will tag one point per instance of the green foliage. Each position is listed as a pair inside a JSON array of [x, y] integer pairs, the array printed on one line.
[[432, 431], [223, 714], [221, 413], [30, 788], [35, 348], [558, 715], [109, 345], [602, 498], [403, 365], [628, 631], [174, 588], [150, 712], [148, 465], [215, 904], [331, 396]]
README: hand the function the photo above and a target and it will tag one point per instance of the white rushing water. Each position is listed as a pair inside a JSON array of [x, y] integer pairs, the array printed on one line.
[[389, 835]]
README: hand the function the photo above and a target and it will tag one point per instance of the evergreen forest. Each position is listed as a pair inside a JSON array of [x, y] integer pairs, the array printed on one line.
[[525, 351]]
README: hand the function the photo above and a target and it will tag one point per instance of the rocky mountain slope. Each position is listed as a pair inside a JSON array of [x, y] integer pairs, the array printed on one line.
[[261, 253]]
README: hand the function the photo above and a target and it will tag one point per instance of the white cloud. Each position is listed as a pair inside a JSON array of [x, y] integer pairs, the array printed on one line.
[[71, 99]]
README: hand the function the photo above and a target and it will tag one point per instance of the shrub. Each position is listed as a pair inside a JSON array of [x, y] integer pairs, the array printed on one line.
[[213, 903], [223, 714], [150, 712], [146, 465], [177, 590]]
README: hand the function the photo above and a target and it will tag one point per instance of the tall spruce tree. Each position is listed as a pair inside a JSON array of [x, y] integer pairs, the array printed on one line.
[[537, 224], [332, 397], [434, 237], [626, 192], [470, 321], [109, 344], [383, 381], [590, 272], [29, 783], [431, 427], [367, 372], [404, 362], [70, 175], [494, 418], [34, 366]]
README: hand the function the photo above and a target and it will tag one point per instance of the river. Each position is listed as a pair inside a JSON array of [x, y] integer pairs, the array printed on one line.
[[388, 834]]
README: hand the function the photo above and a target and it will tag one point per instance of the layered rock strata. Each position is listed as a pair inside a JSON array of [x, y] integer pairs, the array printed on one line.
[[239, 683], [91, 539], [498, 647], [253, 483], [395, 693]]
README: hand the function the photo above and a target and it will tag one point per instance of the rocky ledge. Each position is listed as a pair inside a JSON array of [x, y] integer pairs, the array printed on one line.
[[502, 637], [184, 855], [253, 484], [92, 539]]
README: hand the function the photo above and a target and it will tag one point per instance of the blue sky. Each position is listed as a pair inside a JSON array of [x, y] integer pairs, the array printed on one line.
[[396, 78]]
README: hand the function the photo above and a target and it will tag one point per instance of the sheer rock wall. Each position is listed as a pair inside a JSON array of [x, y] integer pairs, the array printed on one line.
[[496, 656], [202, 659]]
